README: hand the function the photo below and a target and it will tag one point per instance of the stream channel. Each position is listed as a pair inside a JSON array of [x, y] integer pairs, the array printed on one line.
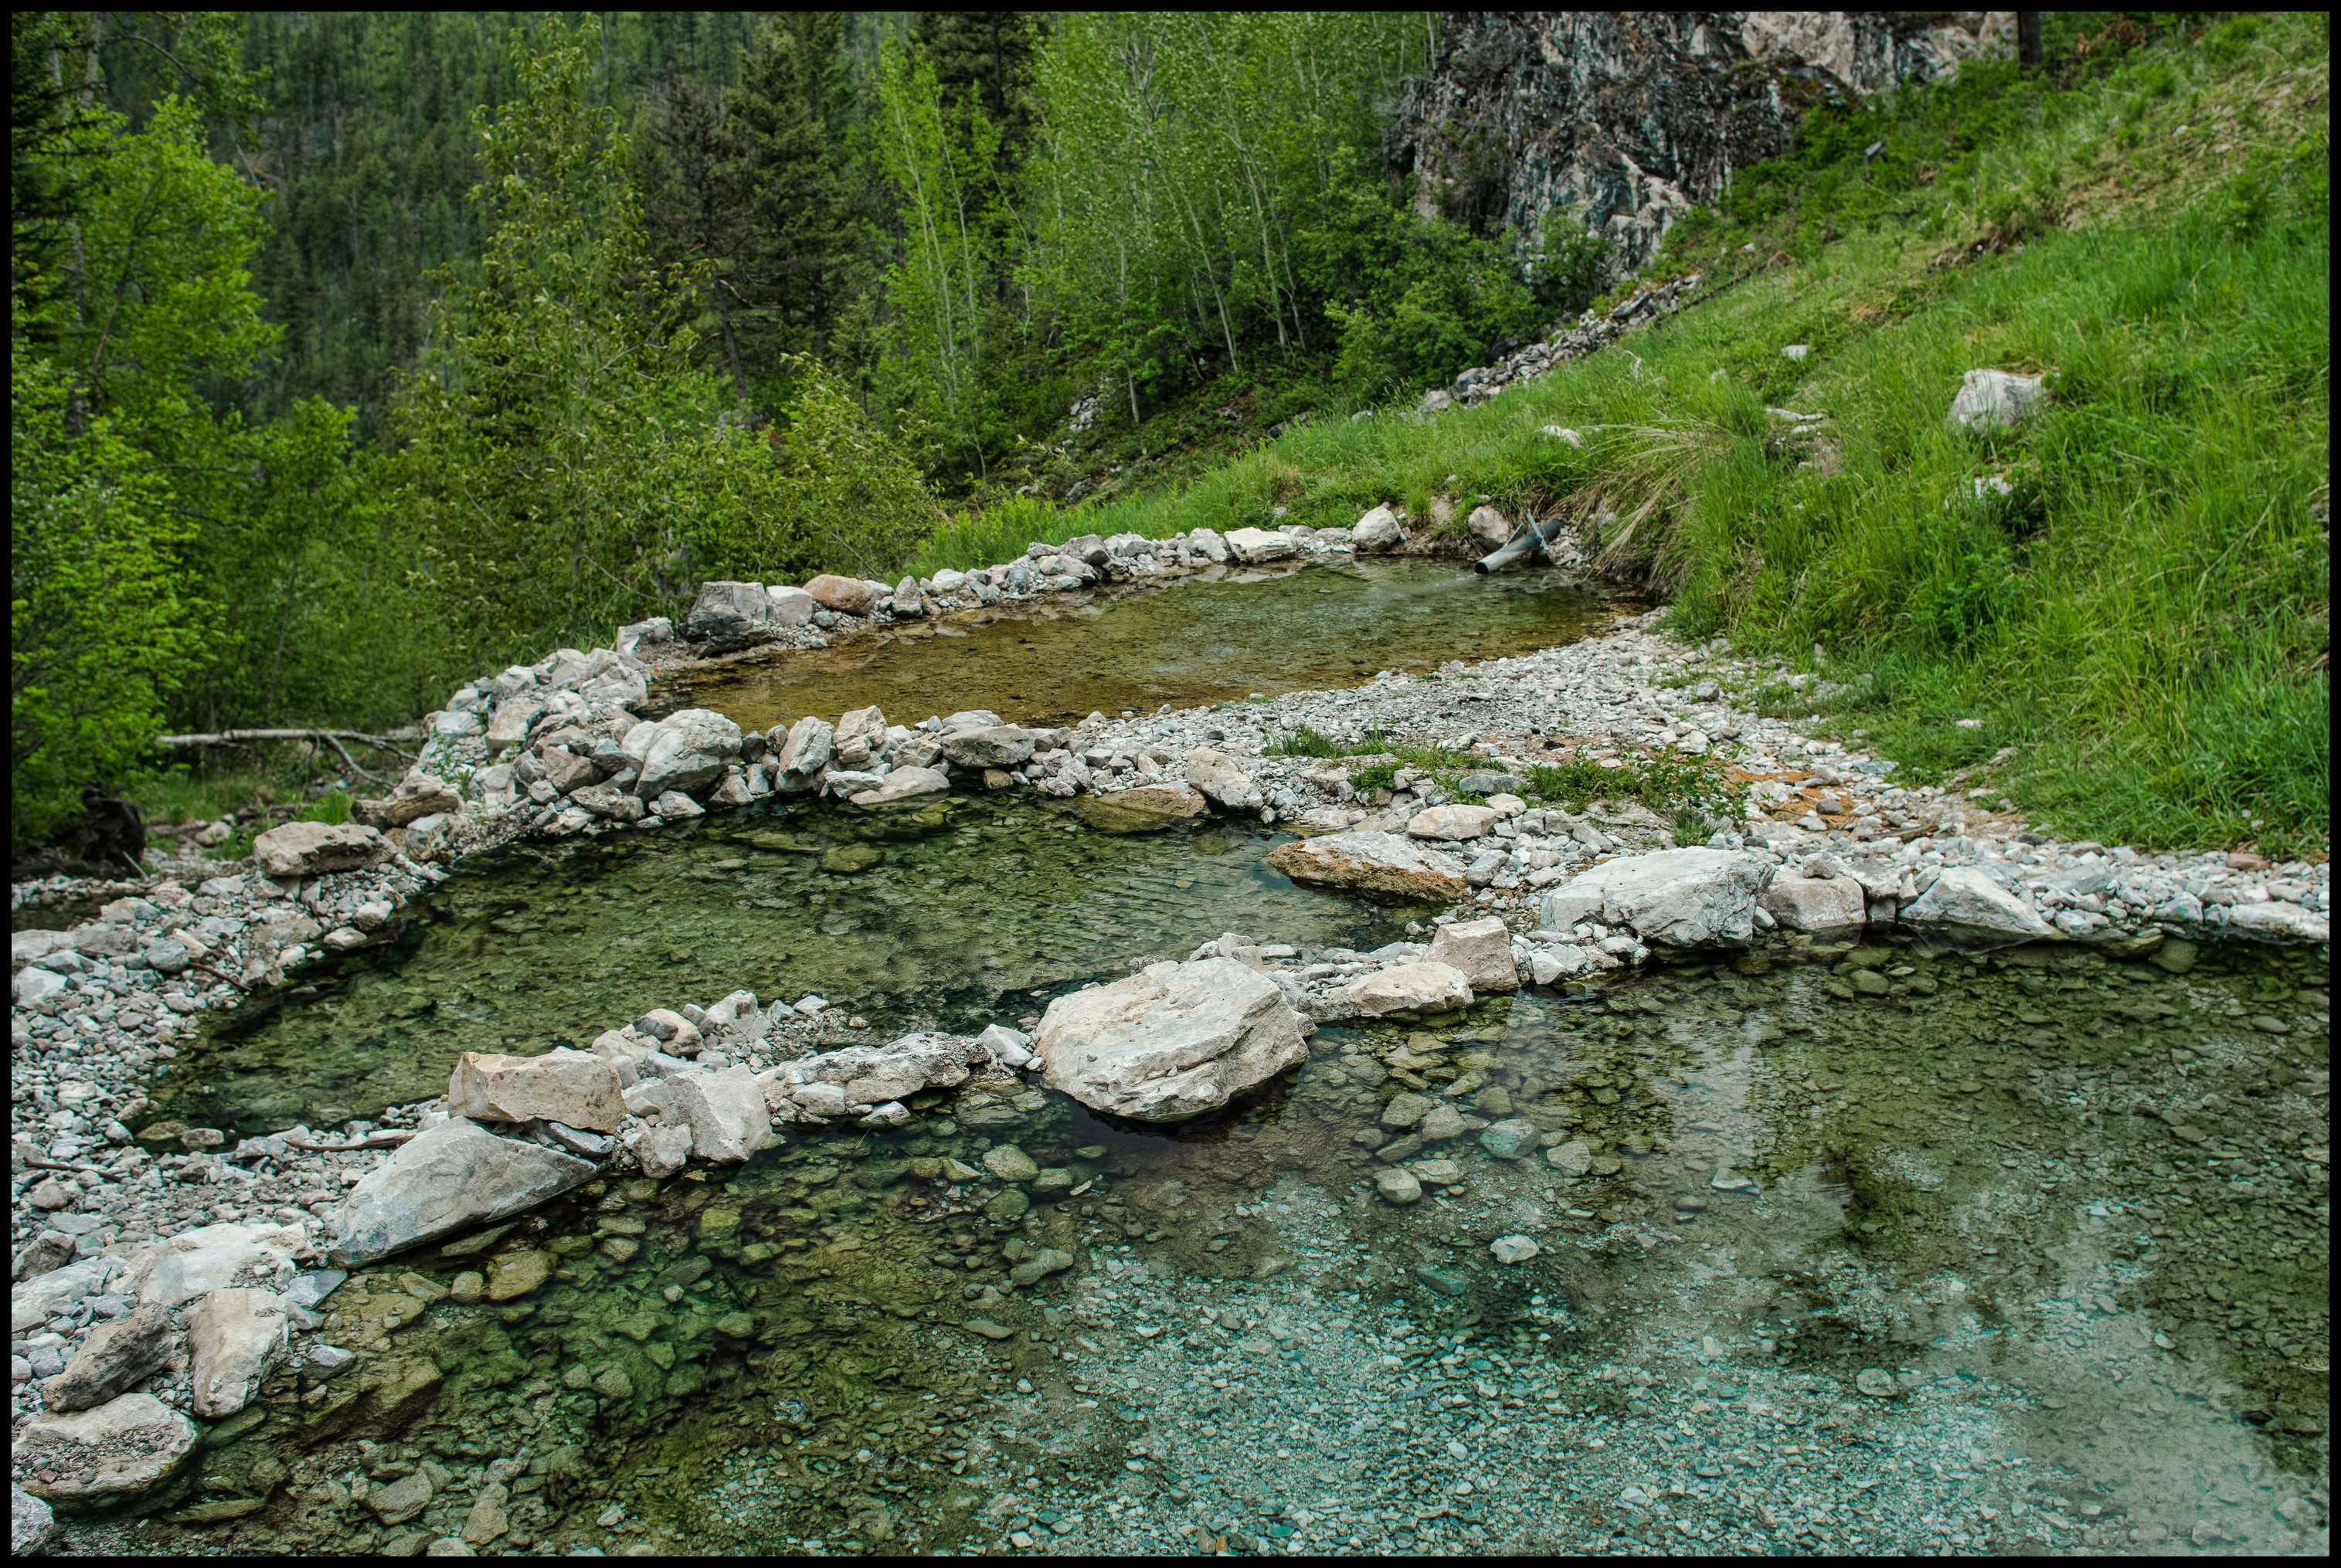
[[1839, 1247]]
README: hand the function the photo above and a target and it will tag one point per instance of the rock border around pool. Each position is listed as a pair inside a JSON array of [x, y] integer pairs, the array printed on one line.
[[213, 1240]]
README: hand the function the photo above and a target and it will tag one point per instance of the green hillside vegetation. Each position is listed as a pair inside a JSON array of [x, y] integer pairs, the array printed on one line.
[[2140, 621], [353, 355]]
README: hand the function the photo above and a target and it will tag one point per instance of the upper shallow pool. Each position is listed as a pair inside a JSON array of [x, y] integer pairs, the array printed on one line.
[[1202, 640], [924, 917]]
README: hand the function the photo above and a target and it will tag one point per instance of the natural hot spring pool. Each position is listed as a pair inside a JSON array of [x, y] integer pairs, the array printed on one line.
[[2028, 1254], [945, 916], [1195, 642]]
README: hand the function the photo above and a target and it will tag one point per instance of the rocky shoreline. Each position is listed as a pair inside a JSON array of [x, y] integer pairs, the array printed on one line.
[[153, 1282]]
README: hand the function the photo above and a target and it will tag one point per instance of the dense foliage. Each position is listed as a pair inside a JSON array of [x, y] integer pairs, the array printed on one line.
[[354, 353]]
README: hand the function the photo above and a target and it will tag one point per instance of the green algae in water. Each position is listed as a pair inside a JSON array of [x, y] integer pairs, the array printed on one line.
[[950, 916], [1193, 642], [2072, 1209]]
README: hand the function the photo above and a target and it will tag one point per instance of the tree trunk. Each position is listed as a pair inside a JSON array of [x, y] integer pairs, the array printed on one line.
[[2027, 39]]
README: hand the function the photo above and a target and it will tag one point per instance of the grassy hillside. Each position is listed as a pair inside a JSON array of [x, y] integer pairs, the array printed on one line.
[[2134, 599]]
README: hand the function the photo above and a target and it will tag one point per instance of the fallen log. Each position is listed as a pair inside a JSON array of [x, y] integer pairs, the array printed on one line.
[[333, 738]]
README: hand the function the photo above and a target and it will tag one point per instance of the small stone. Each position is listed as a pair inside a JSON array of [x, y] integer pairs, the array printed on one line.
[[1010, 1164], [1510, 1139], [1572, 1158], [1511, 1249], [1877, 1383], [1397, 1185], [515, 1275]]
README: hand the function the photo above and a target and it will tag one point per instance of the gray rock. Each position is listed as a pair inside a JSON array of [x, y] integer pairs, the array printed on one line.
[[902, 784], [1482, 950], [989, 745], [1170, 1042], [688, 751], [1675, 898], [114, 1355], [1377, 531], [314, 849], [456, 1174], [30, 1521], [609, 801], [1397, 1185], [1373, 862], [1255, 547], [124, 1448], [235, 1337], [1224, 783], [800, 757], [729, 613], [1803, 902], [1406, 989], [1510, 1139], [1511, 1249], [577, 1088], [1965, 902], [1994, 400], [1453, 823]]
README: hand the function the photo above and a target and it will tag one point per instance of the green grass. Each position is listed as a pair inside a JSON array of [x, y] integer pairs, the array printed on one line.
[[207, 792], [2141, 622]]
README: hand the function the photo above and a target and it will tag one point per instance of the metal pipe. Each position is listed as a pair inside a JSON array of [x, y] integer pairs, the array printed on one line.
[[1528, 539]]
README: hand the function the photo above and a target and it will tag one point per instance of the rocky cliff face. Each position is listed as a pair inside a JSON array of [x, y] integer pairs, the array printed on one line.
[[1630, 118]]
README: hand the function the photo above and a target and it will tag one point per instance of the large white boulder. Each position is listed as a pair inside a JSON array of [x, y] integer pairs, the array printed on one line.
[[799, 760], [124, 1447], [1423, 987], [1373, 862], [458, 1174], [2280, 921], [1172, 1041], [115, 1355], [1994, 400], [725, 1111], [1482, 950], [1377, 531], [313, 849], [235, 1337], [728, 612], [179, 1268], [989, 745], [1802, 901], [902, 784], [687, 753], [576, 1087], [1452, 824], [1966, 903], [1674, 898], [1221, 779], [1256, 546]]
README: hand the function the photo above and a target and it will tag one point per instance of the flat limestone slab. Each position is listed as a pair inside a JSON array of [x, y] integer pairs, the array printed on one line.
[[1373, 862], [457, 1174]]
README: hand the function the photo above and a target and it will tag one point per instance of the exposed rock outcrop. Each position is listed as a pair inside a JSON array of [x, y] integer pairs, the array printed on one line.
[[1630, 118]]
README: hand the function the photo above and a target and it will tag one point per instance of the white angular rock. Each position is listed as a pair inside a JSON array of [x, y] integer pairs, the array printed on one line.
[[1207, 543], [1488, 526], [1373, 862], [1482, 950], [1802, 902], [235, 1337], [1509, 1249], [989, 745], [725, 1112], [1222, 781], [1377, 531], [2286, 922], [786, 606], [179, 1268], [576, 1087], [1452, 824], [31, 1522], [313, 849], [1966, 902], [1994, 400], [1420, 987], [456, 1174], [902, 784], [1676, 898], [688, 751], [728, 612], [122, 1448], [1255, 546], [1170, 1042], [801, 758], [114, 1355]]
